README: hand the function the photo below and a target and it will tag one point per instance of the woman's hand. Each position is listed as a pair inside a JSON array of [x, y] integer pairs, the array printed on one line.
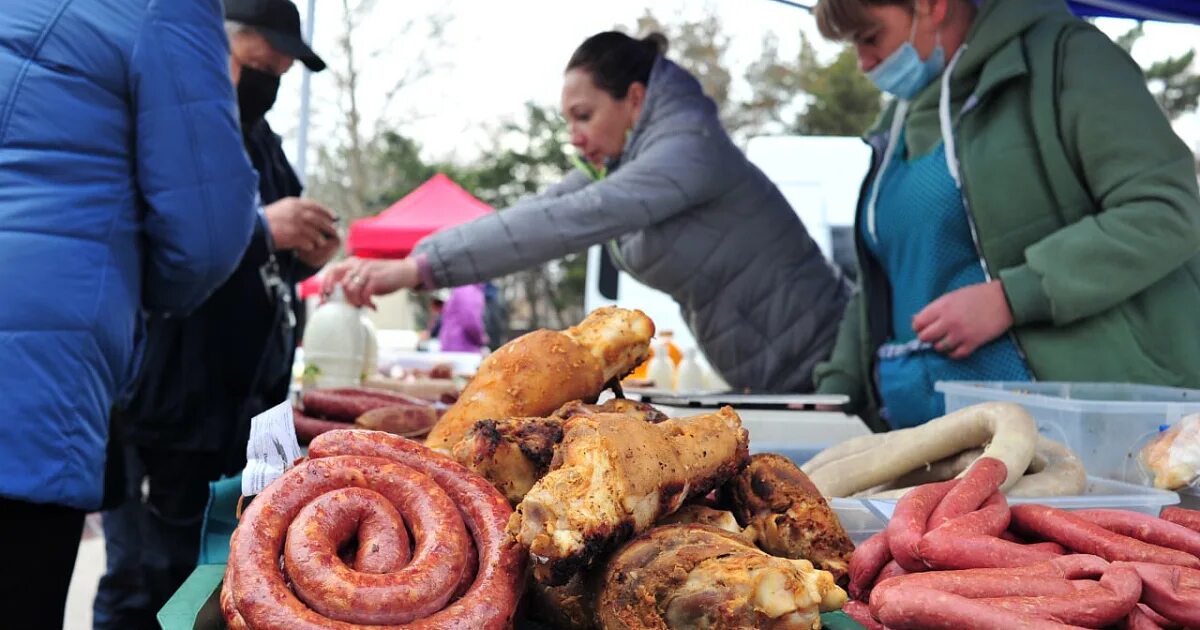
[[361, 279], [960, 321]]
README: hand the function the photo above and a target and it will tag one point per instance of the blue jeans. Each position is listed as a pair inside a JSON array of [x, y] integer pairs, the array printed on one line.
[[152, 540]]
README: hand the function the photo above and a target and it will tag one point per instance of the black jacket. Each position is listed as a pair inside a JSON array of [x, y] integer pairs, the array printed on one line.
[[205, 375]]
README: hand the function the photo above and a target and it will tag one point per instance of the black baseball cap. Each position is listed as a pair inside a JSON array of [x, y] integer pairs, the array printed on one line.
[[278, 21]]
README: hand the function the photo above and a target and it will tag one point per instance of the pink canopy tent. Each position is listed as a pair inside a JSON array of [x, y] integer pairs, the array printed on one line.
[[437, 204]]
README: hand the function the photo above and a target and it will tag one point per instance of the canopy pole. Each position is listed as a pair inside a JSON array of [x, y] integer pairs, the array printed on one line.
[[305, 98]]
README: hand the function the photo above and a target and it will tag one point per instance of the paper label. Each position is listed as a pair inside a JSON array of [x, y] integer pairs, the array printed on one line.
[[272, 448]]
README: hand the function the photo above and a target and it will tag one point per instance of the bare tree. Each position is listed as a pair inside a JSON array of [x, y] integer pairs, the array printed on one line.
[[349, 174]]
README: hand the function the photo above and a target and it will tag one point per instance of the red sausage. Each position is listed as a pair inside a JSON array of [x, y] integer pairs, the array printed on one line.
[[1054, 577], [395, 398], [866, 563], [1049, 547], [1143, 618], [1145, 528], [1139, 620], [1082, 536], [982, 480], [492, 600], [1173, 592], [991, 519], [419, 589], [1011, 537], [308, 427], [1188, 518], [916, 608], [889, 571], [909, 522], [943, 550], [861, 613], [1091, 606], [348, 404], [258, 590]]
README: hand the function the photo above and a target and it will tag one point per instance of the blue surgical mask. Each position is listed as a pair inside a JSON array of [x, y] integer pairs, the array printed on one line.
[[903, 74]]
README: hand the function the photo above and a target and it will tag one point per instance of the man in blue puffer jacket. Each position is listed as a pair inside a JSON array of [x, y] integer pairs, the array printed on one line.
[[123, 186]]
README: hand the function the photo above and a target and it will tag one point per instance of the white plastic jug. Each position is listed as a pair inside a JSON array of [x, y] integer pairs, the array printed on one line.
[[689, 376], [340, 348], [661, 370]]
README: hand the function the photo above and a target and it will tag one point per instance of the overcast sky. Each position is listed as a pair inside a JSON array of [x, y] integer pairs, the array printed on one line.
[[495, 56]]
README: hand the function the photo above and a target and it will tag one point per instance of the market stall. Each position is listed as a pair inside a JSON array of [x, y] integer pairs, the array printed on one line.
[[520, 502]]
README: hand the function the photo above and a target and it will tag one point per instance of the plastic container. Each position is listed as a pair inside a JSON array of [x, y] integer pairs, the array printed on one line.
[[1104, 423], [858, 519], [1100, 493], [340, 348], [689, 377]]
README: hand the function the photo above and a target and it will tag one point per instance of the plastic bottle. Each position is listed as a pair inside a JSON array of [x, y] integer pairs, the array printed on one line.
[[661, 370], [340, 347], [689, 377]]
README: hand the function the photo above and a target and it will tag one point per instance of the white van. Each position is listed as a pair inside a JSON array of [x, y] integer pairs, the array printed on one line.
[[819, 175]]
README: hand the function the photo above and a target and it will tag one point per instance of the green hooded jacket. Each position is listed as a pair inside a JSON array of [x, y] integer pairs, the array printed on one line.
[[1083, 200]]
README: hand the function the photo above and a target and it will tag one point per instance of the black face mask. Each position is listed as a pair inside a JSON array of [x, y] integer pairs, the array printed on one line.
[[256, 92]]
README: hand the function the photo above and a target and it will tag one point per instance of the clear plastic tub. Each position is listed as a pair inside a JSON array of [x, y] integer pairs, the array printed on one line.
[[858, 519], [1100, 493], [1104, 423]]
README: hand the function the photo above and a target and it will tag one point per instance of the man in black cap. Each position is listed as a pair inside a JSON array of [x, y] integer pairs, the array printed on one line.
[[204, 376]]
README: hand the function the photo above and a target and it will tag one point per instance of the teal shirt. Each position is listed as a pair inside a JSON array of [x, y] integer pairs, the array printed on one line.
[[922, 238]]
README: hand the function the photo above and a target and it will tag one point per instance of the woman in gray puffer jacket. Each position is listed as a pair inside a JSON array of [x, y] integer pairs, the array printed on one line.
[[685, 211]]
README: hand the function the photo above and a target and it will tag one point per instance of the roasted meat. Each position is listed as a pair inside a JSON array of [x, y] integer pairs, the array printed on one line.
[[700, 577], [632, 408], [788, 515], [514, 453], [613, 477], [697, 514], [537, 373]]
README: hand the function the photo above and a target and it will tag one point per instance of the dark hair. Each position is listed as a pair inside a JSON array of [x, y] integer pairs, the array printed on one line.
[[616, 60]]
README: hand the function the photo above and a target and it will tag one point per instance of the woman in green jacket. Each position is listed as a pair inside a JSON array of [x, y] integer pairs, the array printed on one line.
[[1029, 213]]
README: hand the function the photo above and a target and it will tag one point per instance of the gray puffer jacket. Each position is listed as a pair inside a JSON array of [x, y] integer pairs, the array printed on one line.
[[692, 217]]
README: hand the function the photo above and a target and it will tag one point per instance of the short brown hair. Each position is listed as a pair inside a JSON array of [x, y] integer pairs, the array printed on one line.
[[844, 20]]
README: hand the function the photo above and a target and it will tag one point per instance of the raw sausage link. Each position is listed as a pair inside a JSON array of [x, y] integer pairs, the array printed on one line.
[[909, 522], [1081, 536], [1173, 592], [1028, 580], [1145, 528], [1091, 606], [992, 519], [916, 608], [944, 550], [1188, 518], [889, 571], [1143, 618], [861, 613], [981, 481], [866, 563], [492, 600]]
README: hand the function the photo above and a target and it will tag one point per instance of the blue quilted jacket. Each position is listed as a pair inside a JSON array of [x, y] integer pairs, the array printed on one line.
[[123, 186]]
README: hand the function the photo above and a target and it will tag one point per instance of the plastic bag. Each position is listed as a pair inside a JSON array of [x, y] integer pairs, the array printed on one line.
[[1173, 457]]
